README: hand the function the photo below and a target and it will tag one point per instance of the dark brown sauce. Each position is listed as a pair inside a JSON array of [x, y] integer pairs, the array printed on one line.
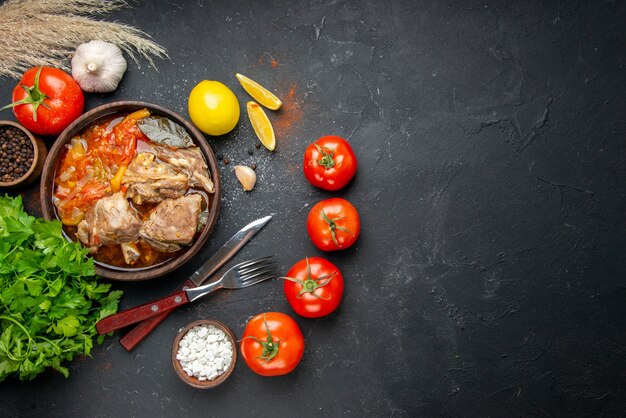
[[112, 256]]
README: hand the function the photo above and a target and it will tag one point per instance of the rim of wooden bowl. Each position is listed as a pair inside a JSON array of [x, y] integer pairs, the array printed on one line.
[[47, 179], [39, 156], [191, 380]]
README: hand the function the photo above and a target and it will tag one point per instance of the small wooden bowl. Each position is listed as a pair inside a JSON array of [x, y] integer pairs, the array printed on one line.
[[39, 157], [192, 380], [50, 167]]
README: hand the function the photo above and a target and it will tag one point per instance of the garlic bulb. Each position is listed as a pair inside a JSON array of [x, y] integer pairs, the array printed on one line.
[[246, 176], [98, 66]]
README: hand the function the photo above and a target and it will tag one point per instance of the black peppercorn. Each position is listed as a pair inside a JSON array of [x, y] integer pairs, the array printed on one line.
[[17, 153]]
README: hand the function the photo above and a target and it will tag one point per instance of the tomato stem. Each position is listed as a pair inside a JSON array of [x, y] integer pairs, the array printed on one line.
[[34, 96], [332, 225], [327, 157], [310, 285], [270, 347]]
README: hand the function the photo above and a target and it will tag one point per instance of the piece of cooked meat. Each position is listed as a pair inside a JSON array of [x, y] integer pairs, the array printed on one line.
[[150, 181], [86, 232], [172, 223], [161, 246], [110, 221], [191, 162]]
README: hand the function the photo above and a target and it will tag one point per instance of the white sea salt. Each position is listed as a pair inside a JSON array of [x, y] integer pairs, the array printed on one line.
[[205, 352]]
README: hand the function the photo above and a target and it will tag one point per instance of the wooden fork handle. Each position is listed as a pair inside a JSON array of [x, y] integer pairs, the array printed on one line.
[[139, 313], [145, 327]]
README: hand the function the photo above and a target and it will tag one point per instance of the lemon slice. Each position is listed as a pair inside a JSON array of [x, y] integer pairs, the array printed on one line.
[[262, 125], [259, 93]]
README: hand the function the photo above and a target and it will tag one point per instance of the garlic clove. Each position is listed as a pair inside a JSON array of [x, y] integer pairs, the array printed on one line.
[[246, 176], [98, 66]]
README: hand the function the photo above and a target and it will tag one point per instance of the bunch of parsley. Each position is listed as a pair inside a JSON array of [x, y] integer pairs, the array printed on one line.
[[50, 299]]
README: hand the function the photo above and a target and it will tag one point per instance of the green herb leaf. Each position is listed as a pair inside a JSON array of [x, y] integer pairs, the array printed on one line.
[[50, 299], [67, 326]]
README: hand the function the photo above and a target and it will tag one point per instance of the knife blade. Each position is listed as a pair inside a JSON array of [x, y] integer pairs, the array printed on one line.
[[225, 253], [228, 250]]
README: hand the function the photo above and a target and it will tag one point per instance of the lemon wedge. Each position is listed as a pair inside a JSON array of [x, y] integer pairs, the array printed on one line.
[[261, 125], [259, 93]]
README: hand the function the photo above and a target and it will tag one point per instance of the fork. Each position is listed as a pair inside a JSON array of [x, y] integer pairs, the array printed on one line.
[[239, 276]]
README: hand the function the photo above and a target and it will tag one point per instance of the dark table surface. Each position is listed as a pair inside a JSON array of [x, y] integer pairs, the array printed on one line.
[[489, 277]]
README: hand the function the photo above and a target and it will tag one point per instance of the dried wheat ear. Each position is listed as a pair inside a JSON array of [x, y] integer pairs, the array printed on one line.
[[57, 27]]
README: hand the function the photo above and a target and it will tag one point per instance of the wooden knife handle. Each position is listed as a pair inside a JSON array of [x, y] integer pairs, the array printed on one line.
[[145, 311], [145, 327]]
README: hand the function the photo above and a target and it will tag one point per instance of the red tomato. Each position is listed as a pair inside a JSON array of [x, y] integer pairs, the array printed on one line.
[[123, 140], [92, 191], [329, 163], [47, 100], [314, 287], [272, 344], [333, 224]]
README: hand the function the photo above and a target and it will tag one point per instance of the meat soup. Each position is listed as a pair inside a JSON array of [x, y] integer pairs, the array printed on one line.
[[133, 188]]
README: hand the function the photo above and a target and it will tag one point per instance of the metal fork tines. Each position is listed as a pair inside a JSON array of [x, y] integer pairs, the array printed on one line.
[[239, 276], [257, 270]]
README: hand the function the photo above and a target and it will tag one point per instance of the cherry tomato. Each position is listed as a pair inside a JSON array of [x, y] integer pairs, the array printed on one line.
[[333, 224], [47, 100], [272, 344], [329, 163], [313, 287]]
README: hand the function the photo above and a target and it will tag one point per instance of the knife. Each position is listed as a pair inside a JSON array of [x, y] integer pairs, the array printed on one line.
[[225, 253], [239, 276]]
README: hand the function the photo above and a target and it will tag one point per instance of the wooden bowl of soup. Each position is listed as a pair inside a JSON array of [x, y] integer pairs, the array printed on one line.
[[135, 183]]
